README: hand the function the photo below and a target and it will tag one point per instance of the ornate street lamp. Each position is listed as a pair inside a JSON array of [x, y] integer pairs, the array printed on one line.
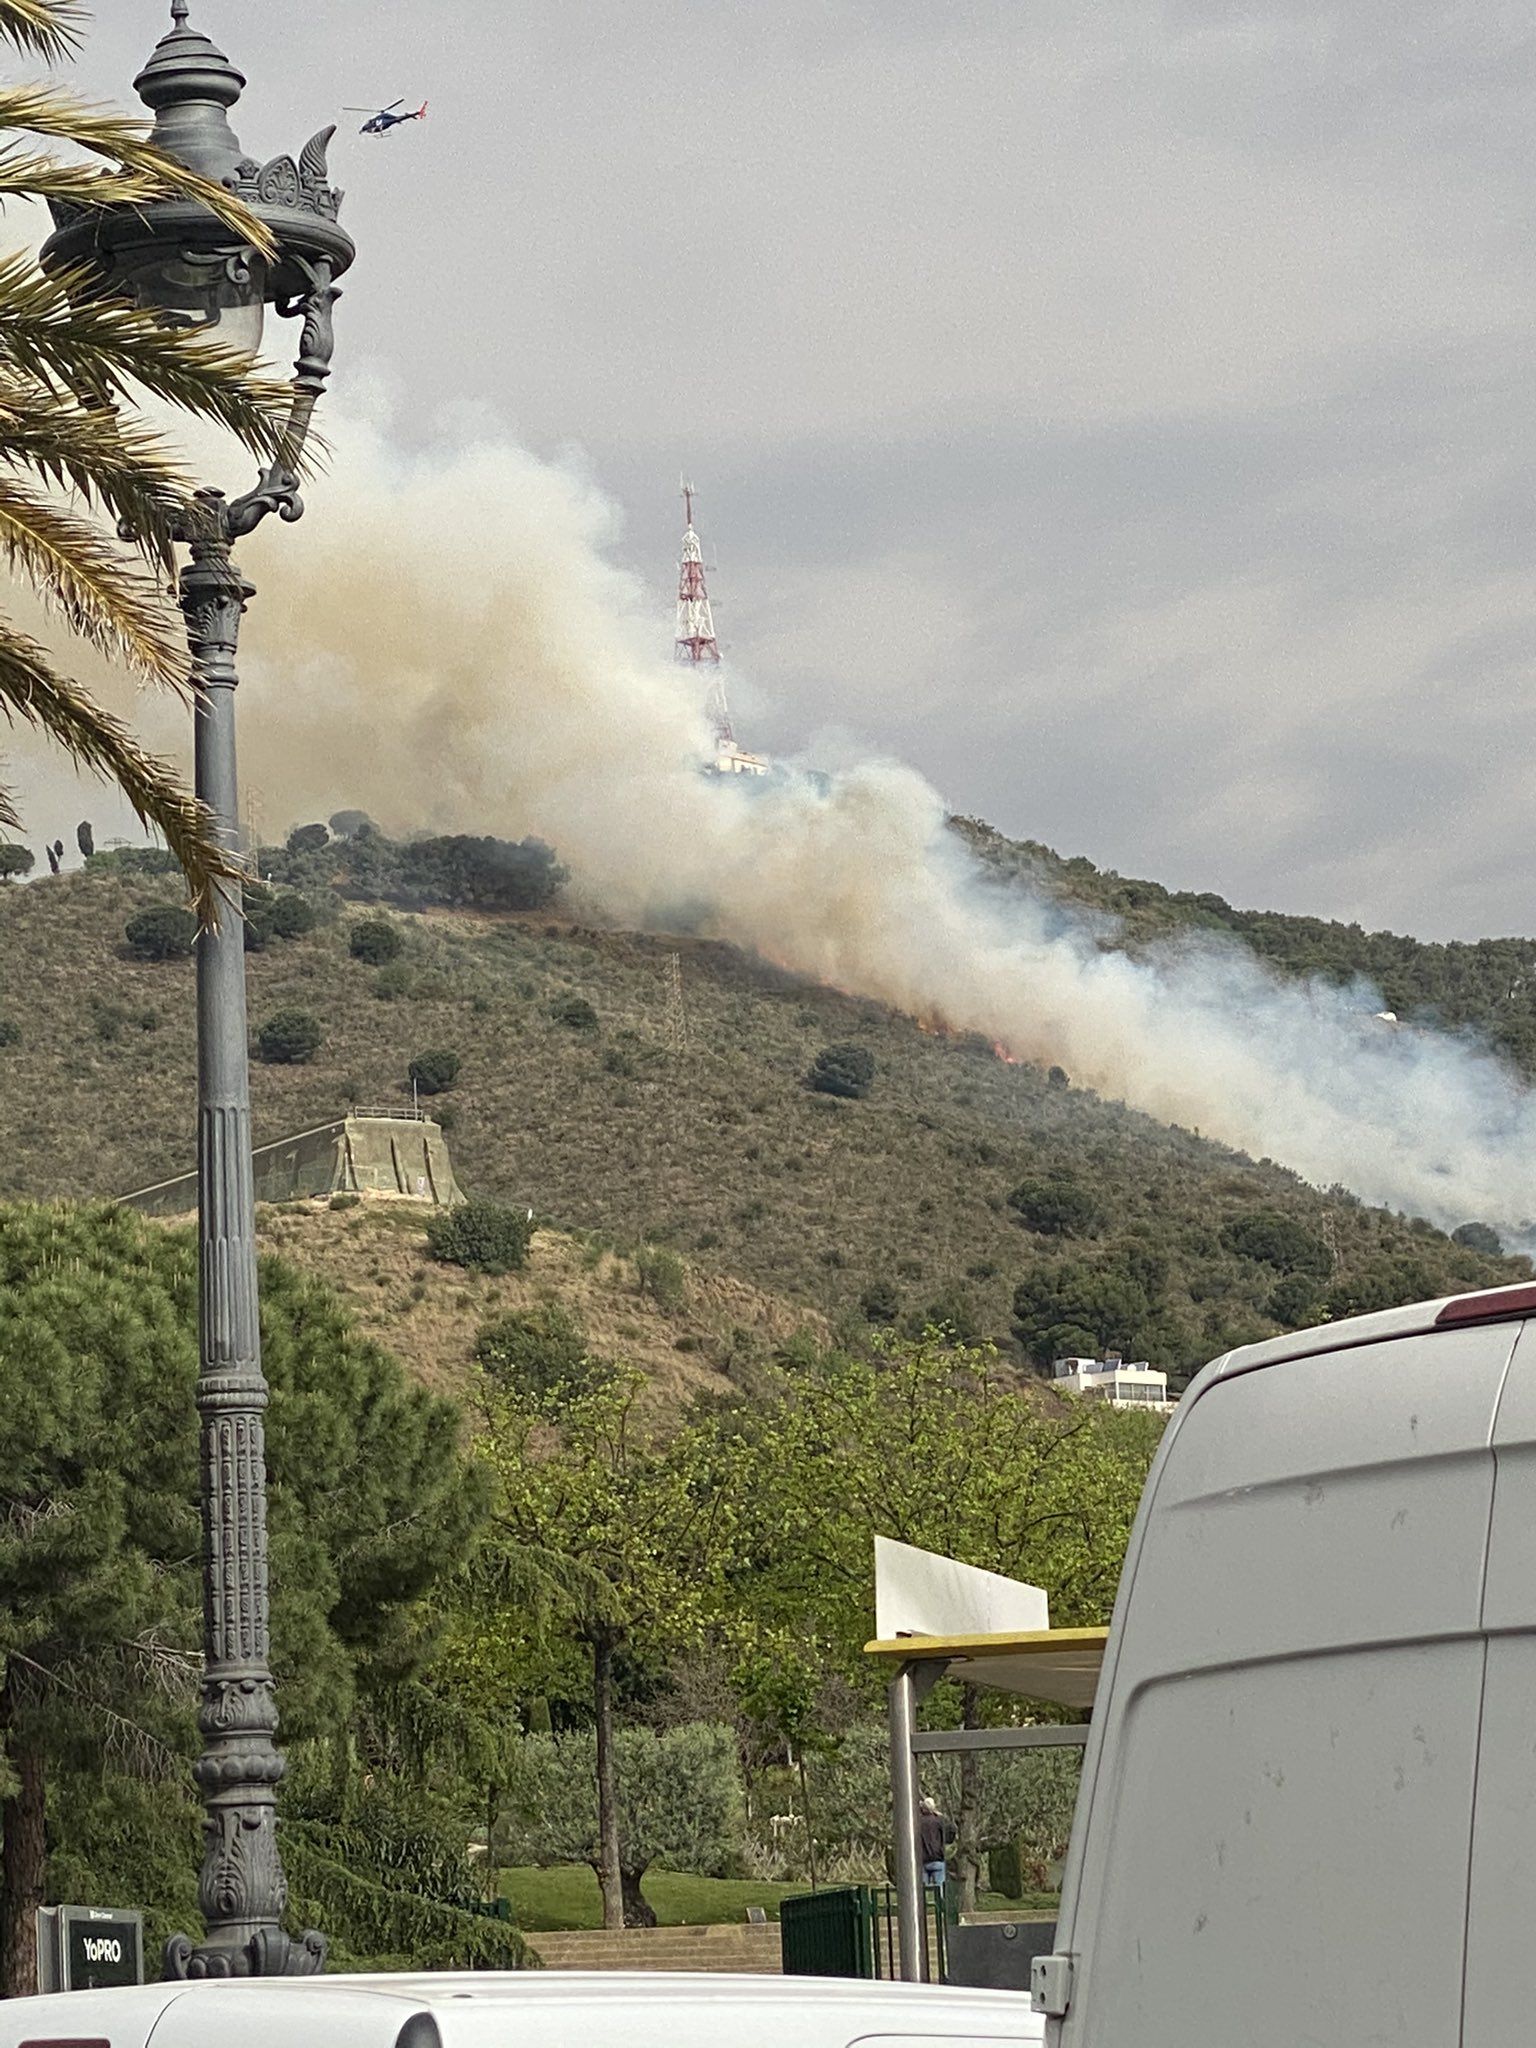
[[176, 256]]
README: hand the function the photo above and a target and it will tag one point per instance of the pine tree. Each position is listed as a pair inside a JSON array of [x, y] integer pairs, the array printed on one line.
[[372, 1503]]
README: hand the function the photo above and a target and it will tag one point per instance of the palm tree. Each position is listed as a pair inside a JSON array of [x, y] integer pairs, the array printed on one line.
[[73, 457]]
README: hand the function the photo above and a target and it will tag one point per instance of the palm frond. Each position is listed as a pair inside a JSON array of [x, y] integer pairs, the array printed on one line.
[[88, 581], [51, 329], [44, 110], [116, 464], [50, 29], [27, 175], [32, 690]]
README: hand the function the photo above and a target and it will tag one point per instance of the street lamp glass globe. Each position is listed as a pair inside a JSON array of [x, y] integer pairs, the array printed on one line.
[[221, 298]]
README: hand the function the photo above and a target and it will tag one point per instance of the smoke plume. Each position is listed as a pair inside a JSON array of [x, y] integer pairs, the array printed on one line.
[[448, 644]]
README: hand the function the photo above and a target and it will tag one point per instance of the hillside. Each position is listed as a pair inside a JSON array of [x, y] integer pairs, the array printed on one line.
[[1487, 986], [688, 1123], [375, 1256]]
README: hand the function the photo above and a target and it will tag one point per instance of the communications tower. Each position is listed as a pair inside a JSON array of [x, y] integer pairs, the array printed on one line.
[[696, 642], [697, 645]]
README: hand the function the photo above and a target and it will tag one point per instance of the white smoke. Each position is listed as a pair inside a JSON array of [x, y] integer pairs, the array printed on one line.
[[447, 644]]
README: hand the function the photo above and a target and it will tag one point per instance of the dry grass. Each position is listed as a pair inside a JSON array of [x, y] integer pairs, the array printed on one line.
[[375, 1256]]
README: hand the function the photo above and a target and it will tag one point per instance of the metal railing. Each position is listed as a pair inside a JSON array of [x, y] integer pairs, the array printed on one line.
[[850, 1931]]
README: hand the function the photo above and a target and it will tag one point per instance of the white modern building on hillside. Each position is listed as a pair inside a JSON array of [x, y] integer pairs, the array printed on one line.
[[1110, 1379]]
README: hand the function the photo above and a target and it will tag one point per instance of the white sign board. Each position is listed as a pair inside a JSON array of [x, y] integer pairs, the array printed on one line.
[[918, 1593]]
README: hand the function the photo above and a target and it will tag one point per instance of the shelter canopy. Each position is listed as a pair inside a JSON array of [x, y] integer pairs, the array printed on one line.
[[1057, 1664]]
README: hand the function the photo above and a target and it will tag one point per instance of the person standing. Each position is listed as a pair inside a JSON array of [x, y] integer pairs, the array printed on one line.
[[935, 1832]]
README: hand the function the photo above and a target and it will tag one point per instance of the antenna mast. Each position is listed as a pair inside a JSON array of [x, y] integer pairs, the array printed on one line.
[[696, 642]]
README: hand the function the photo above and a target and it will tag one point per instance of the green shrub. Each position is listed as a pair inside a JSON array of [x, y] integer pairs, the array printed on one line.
[[134, 860], [289, 1038], [539, 1350], [881, 1301], [375, 941], [308, 838], [661, 1275], [292, 915], [575, 1012], [844, 1070], [486, 1237], [111, 1020], [344, 1201], [445, 1116], [394, 983], [1056, 1205], [14, 861], [1274, 1239], [433, 1073], [10, 1031], [163, 932]]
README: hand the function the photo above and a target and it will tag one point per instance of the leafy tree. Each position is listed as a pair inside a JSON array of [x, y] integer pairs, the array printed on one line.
[[1109, 1300], [350, 824], [930, 1445], [79, 463], [641, 1530], [163, 932], [1479, 1237], [487, 1237], [845, 1070], [292, 915], [289, 1038], [14, 861], [488, 874], [1275, 1239], [1056, 1205], [371, 1503], [679, 1795], [1296, 1301], [375, 941], [308, 838], [434, 1073], [85, 838]]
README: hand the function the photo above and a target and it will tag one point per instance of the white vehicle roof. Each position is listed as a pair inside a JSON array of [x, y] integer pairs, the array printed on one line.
[[485, 2009]]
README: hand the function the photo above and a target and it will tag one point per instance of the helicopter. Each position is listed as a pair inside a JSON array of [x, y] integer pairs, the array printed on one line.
[[381, 120]]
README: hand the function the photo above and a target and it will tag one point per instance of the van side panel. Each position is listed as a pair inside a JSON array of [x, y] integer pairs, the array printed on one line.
[[1276, 1844], [1501, 1954]]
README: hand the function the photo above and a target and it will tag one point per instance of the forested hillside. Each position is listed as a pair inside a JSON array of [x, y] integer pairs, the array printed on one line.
[[653, 1090], [1487, 985]]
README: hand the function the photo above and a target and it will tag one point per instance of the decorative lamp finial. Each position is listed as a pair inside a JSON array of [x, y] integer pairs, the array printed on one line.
[[179, 12]]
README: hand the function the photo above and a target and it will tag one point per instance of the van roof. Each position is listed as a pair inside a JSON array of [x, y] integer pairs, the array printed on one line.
[[1487, 1305], [464, 2003]]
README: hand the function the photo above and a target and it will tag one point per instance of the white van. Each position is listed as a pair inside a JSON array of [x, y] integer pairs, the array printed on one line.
[[532, 2009], [1308, 1809]]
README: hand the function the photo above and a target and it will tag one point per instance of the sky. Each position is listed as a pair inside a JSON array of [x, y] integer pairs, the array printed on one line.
[[1119, 412]]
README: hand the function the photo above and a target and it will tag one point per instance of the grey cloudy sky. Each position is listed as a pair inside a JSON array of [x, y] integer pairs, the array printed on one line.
[[1120, 411]]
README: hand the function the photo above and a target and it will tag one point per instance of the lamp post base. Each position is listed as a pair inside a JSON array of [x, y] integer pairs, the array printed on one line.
[[269, 1952]]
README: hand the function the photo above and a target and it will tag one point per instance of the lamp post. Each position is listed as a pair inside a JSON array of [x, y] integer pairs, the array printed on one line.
[[176, 256]]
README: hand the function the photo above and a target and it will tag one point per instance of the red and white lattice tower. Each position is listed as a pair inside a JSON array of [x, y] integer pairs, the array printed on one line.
[[696, 642]]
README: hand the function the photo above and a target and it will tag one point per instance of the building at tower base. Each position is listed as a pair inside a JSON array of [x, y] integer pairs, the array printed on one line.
[[399, 1155]]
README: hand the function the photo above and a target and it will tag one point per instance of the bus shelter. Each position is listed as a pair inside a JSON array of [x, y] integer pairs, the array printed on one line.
[[937, 1618]]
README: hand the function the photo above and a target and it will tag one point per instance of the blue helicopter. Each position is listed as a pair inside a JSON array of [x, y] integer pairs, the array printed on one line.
[[381, 121]]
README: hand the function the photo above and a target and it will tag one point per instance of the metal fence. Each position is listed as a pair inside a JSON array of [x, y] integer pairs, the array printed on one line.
[[850, 1931]]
